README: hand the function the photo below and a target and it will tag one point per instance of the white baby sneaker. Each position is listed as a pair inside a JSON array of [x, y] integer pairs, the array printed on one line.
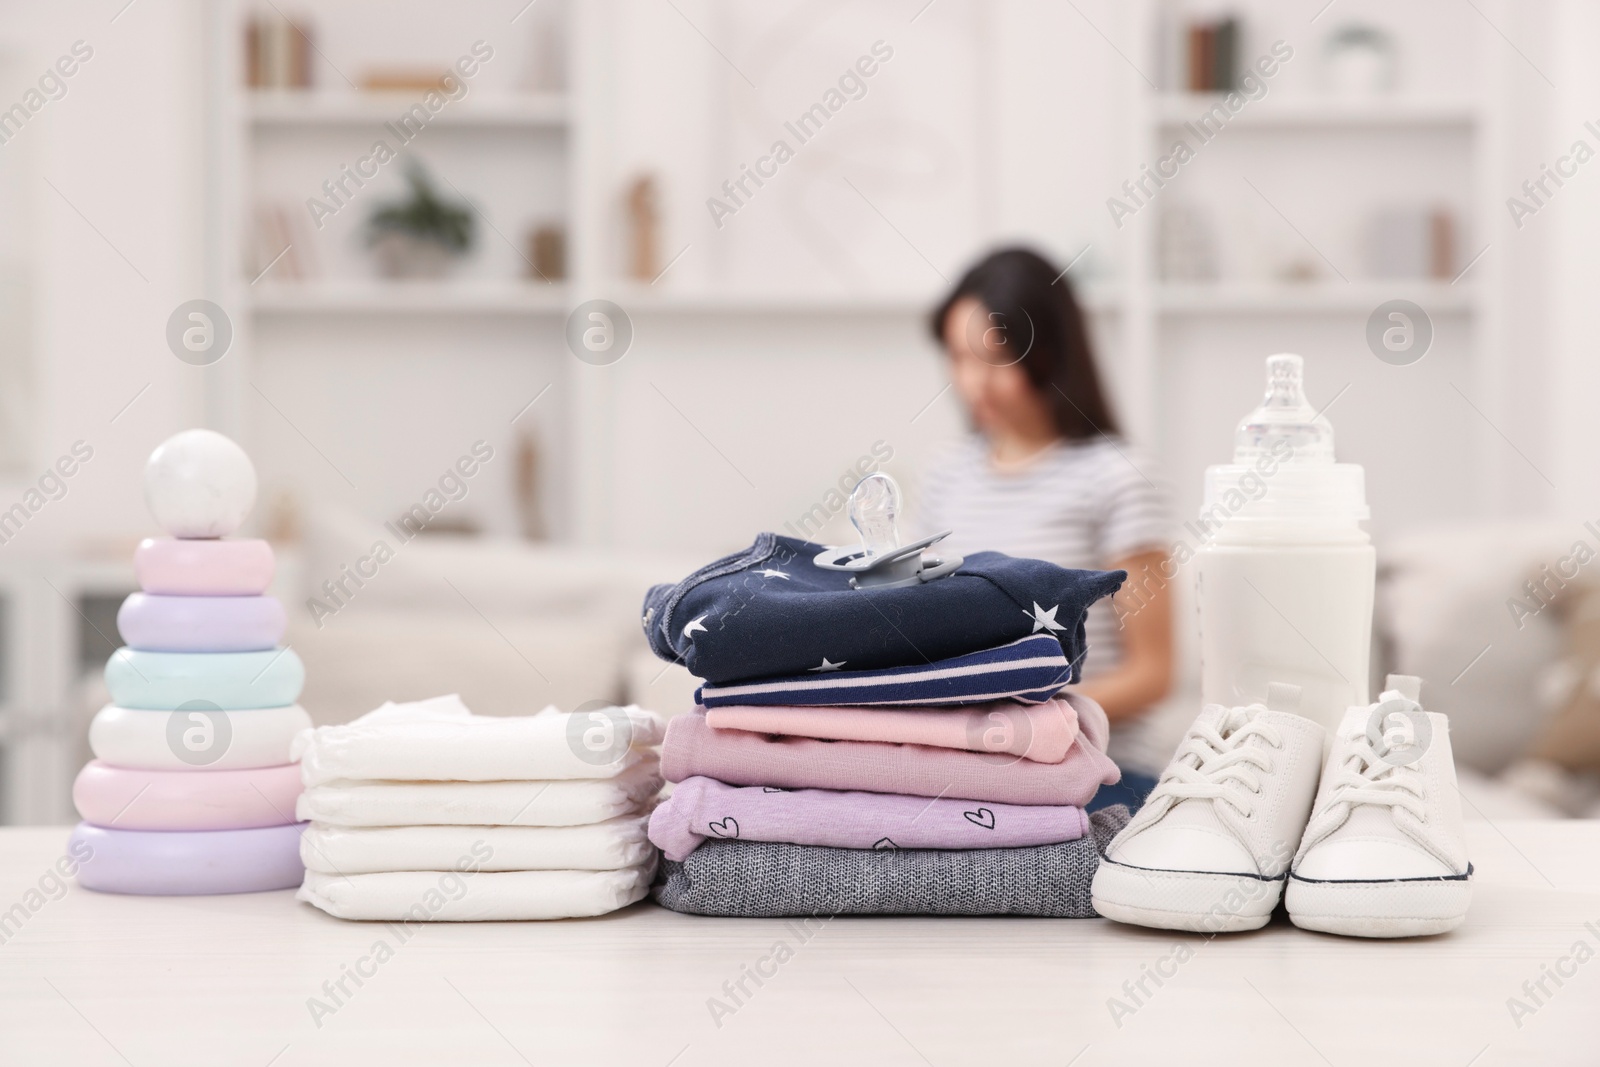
[[1383, 854], [1210, 848]]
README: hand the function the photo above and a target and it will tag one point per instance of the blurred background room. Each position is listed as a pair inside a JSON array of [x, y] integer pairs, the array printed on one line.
[[554, 242]]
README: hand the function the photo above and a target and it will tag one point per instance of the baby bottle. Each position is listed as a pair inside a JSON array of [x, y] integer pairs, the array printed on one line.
[[1285, 574]]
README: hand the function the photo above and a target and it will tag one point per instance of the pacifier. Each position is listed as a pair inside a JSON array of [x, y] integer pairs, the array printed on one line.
[[881, 561]]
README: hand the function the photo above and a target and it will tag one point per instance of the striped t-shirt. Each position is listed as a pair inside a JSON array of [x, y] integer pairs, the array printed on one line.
[[1077, 504], [1030, 669]]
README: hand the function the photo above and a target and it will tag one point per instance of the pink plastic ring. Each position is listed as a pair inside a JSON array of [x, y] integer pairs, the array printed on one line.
[[227, 567], [127, 799]]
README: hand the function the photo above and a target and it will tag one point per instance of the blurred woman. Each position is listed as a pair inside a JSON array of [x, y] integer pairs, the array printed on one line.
[[1046, 474]]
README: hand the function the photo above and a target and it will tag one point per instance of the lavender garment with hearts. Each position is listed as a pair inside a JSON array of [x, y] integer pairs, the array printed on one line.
[[701, 808]]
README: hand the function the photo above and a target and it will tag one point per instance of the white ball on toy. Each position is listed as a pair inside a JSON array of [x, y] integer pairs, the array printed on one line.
[[199, 484]]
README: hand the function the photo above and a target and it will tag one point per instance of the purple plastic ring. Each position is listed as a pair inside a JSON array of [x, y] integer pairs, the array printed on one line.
[[155, 623], [201, 863]]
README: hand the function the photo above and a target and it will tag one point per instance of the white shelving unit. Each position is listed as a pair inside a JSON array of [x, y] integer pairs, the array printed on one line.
[[511, 152], [410, 298], [1153, 308], [1268, 298], [42, 598], [1174, 109], [265, 107], [645, 300]]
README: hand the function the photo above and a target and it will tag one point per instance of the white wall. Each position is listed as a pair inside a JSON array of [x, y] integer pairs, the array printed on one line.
[[1570, 228], [116, 248]]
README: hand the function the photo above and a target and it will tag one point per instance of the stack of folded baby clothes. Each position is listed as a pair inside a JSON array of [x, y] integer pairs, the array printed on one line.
[[880, 750], [426, 812]]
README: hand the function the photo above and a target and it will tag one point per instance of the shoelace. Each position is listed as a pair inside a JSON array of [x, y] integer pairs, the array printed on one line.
[[1367, 778], [1221, 764]]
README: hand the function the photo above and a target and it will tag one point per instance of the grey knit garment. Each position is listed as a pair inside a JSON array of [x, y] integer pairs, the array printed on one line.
[[758, 879]]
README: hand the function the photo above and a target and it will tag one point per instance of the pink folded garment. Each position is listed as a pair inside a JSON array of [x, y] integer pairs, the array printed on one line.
[[739, 757], [1039, 732], [701, 808]]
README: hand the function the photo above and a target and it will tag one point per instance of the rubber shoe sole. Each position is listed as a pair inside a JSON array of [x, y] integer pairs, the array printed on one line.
[[1404, 908], [1199, 901]]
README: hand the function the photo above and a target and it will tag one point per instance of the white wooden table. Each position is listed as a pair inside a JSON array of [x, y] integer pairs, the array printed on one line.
[[164, 982]]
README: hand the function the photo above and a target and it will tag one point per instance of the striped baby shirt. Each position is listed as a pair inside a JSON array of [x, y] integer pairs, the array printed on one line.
[[1031, 669]]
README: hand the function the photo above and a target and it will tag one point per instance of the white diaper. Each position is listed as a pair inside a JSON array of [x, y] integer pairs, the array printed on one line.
[[485, 896], [568, 803], [605, 846], [440, 740]]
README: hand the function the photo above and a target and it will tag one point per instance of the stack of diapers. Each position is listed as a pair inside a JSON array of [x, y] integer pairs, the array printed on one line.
[[192, 789], [880, 750], [425, 812]]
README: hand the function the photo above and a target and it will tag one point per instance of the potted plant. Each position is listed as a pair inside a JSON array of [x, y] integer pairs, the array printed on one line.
[[421, 235]]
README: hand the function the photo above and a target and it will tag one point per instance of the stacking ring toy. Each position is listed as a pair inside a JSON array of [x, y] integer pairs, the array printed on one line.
[[196, 739], [172, 567], [153, 863], [229, 681], [157, 623], [129, 799]]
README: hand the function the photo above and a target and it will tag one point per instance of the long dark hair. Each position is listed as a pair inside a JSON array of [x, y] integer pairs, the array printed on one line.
[[1023, 292]]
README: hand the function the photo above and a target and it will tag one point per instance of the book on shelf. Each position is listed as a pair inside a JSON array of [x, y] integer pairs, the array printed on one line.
[[1211, 56], [277, 53]]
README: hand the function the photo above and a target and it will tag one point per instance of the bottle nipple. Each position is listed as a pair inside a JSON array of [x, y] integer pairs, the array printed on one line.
[[1285, 415], [874, 512]]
